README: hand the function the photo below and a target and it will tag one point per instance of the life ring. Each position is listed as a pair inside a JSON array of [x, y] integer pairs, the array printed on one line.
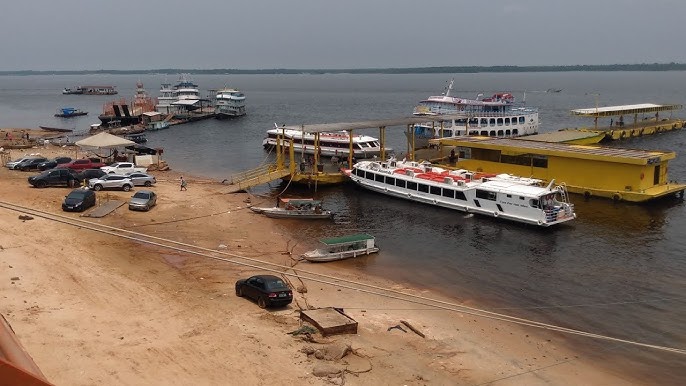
[[495, 214], [540, 222]]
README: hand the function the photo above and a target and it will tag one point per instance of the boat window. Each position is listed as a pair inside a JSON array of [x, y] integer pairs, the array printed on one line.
[[540, 161], [411, 185], [484, 122], [500, 133], [423, 188], [485, 194], [491, 122], [492, 133], [484, 132], [521, 120], [435, 190], [507, 132], [534, 203], [460, 195], [379, 178], [522, 198], [460, 122], [400, 183], [473, 121], [507, 121], [358, 172], [500, 121], [515, 132], [390, 180], [369, 175], [448, 193]]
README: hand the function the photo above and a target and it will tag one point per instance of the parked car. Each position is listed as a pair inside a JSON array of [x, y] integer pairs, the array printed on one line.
[[29, 164], [143, 200], [78, 200], [111, 181], [266, 290], [123, 168], [55, 177], [88, 174], [53, 163], [81, 164], [142, 179], [12, 164]]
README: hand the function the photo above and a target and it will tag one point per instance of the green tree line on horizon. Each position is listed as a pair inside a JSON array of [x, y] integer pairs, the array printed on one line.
[[413, 70]]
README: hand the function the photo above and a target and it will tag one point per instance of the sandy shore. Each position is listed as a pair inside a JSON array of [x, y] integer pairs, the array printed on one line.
[[95, 309]]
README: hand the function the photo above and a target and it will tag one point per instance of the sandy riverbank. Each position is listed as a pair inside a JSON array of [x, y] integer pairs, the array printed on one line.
[[93, 309]]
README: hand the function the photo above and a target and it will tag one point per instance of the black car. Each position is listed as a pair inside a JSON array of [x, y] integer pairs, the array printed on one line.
[[78, 200], [29, 164], [267, 290], [87, 174], [49, 164], [55, 177]]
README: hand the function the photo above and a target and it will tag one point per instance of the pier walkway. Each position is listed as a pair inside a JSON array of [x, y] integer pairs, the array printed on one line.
[[258, 176]]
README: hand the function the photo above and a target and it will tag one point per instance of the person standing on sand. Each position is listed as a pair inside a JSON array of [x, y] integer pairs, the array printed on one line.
[[183, 184]]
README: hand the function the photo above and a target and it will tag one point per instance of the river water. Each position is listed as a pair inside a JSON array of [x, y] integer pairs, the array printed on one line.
[[618, 270]]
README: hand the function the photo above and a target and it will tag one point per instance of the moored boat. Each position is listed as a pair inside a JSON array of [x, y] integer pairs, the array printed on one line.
[[56, 129], [229, 102], [502, 196], [68, 112], [296, 208], [70, 91], [344, 247], [331, 144], [495, 116]]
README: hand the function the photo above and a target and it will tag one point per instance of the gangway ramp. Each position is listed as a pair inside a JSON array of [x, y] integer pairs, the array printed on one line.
[[258, 176]]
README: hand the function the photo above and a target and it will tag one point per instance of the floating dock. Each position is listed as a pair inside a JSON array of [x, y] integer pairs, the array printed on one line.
[[620, 174], [615, 127]]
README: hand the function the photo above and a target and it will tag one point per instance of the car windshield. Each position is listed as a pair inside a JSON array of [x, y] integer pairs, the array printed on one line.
[[141, 195], [77, 194]]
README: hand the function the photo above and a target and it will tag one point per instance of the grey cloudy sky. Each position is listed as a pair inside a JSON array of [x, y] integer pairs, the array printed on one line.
[[265, 34]]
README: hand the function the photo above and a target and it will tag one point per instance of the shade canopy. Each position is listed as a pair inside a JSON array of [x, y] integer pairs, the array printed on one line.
[[104, 141]]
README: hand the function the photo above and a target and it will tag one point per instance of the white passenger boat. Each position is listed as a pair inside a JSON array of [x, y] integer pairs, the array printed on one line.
[[339, 248], [503, 196], [333, 144], [495, 116], [229, 103]]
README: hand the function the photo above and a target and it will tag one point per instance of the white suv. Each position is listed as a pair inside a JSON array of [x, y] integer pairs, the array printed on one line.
[[111, 181]]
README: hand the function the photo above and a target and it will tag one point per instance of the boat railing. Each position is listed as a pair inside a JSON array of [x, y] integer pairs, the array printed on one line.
[[470, 114], [253, 173]]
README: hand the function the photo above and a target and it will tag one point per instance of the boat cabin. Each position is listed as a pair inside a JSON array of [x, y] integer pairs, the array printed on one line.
[[360, 241]]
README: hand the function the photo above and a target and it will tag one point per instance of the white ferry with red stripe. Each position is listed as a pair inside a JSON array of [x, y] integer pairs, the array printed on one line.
[[504, 196]]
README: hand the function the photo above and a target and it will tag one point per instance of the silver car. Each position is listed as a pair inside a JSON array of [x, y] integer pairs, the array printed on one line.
[[111, 181], [142, 179], [143, 200], [12, 164]]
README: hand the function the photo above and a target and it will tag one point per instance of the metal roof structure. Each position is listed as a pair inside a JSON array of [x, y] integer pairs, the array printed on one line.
[[611, 111], [523, 146], [373, 124]]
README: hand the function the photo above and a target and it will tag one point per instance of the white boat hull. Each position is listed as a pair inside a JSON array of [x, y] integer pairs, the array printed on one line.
[[320, 256]]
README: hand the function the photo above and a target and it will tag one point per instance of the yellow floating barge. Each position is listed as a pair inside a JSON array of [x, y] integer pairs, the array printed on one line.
[[617, 173], [616, 128]]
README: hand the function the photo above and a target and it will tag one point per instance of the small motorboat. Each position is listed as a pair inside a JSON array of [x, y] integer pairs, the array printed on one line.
[[298, 208], [68, 112], [56, 129], [344, 247]]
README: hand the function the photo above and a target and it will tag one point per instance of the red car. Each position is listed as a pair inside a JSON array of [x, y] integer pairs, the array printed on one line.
[[82, 164]]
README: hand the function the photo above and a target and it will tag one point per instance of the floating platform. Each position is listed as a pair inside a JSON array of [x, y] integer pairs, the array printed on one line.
[[568, 136], [330, 321]]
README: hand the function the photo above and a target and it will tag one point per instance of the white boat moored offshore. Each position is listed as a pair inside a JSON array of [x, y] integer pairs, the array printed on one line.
[[502, 196]]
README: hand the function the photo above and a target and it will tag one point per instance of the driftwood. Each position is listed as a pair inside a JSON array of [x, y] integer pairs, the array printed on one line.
[[413, 329]]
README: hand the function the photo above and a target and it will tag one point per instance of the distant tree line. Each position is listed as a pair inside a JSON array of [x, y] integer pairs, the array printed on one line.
[[414, 70]]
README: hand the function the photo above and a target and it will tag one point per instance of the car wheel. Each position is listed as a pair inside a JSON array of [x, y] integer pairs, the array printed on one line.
[[97, 187], [239, 292], [148, 184], [41, 184], [147, 208], [126, 188], [261, 302]]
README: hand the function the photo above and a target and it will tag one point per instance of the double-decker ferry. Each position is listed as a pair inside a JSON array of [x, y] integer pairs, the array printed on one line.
[[331, 144], [503, 196], [495, 116]]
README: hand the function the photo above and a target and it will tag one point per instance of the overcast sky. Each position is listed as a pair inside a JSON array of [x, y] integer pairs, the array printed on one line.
[[266, 34]]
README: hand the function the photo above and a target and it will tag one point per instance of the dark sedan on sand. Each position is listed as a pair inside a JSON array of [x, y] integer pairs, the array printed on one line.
[[266, 290]]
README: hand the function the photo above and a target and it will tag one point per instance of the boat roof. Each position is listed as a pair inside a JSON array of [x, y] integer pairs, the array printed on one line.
[[375, 124], [347, 239], [520, 146], [299, 201], [609, 111]]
